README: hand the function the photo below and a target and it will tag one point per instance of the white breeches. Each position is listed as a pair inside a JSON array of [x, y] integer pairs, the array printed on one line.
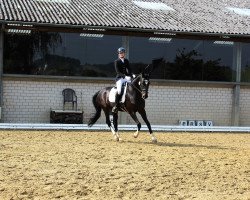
[[120, 82]]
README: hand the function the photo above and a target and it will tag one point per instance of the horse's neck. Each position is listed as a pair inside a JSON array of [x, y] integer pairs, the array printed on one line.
[[135, 82], [135, 85]]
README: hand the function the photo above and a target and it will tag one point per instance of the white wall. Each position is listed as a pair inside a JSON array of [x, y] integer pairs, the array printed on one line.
[[30, 102], [198, 103], [245, 107]]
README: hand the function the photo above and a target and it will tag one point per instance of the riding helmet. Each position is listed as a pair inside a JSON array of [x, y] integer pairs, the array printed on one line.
[[121, 50]]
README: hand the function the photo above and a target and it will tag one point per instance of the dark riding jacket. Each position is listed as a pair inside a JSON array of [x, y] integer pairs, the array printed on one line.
[[122, 68]]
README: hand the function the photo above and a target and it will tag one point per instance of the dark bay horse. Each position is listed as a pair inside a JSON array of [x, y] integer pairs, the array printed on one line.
[[137, 92]]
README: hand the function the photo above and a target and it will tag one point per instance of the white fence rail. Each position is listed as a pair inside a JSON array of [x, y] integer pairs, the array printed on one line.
[[100, 127]]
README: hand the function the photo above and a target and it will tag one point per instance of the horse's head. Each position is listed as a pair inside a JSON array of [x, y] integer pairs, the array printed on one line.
[[141, 84], [143, 79], [144, 84]]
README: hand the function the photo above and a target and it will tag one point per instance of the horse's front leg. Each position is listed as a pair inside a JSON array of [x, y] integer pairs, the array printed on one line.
[[144, 117], [134, 117], [108, 122], [115, 122]]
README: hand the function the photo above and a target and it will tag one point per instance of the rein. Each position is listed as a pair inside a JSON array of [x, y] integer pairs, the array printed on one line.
[[137, 88]]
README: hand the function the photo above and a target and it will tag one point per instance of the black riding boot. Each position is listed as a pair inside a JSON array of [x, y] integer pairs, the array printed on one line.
[[117, 101]]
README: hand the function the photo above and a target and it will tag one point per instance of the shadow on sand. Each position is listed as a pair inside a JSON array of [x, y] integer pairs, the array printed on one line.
[[162, 144]]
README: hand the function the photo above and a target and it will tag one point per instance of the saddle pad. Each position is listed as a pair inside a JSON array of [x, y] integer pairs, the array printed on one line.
[[113, 93]]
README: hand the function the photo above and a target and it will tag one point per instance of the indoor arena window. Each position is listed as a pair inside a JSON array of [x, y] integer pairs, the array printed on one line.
[[60, 54], [184, 59], [245, 63]]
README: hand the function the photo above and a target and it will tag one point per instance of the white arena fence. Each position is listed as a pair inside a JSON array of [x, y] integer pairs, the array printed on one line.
[[104, 127]]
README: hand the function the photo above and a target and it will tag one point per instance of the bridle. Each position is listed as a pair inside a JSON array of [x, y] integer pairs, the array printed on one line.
[[140, 90]]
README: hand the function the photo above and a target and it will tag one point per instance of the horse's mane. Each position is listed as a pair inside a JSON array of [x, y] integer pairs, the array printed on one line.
[[136, 79]]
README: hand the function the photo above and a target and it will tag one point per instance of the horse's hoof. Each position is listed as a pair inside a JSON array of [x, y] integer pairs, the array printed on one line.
[[154, 140], [136, 134], [116, 138]]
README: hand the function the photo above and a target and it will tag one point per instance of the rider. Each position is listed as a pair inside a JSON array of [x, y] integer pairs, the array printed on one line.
[[124, 74]]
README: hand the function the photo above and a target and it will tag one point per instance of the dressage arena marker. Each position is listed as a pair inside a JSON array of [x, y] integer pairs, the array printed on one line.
[[101, 127], [196, 123]]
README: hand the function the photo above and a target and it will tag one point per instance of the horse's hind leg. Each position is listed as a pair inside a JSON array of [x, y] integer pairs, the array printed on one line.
[[108, 122], [134, 117], [115, 122], [144, 117]]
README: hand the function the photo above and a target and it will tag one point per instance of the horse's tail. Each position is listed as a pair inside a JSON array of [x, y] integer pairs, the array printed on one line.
[[98, 109]]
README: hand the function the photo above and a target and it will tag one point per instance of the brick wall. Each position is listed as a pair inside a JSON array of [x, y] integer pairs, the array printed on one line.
[[198, 103], [245, 107], [31, 101]]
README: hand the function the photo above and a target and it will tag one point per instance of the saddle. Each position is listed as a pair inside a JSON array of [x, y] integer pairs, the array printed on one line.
[[113, 93]]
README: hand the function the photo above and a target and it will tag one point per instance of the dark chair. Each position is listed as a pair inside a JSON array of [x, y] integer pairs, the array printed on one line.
[[69, 96]]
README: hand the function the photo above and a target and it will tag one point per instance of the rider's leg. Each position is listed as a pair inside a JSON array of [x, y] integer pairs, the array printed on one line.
[[119, 94], [117, 100]]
